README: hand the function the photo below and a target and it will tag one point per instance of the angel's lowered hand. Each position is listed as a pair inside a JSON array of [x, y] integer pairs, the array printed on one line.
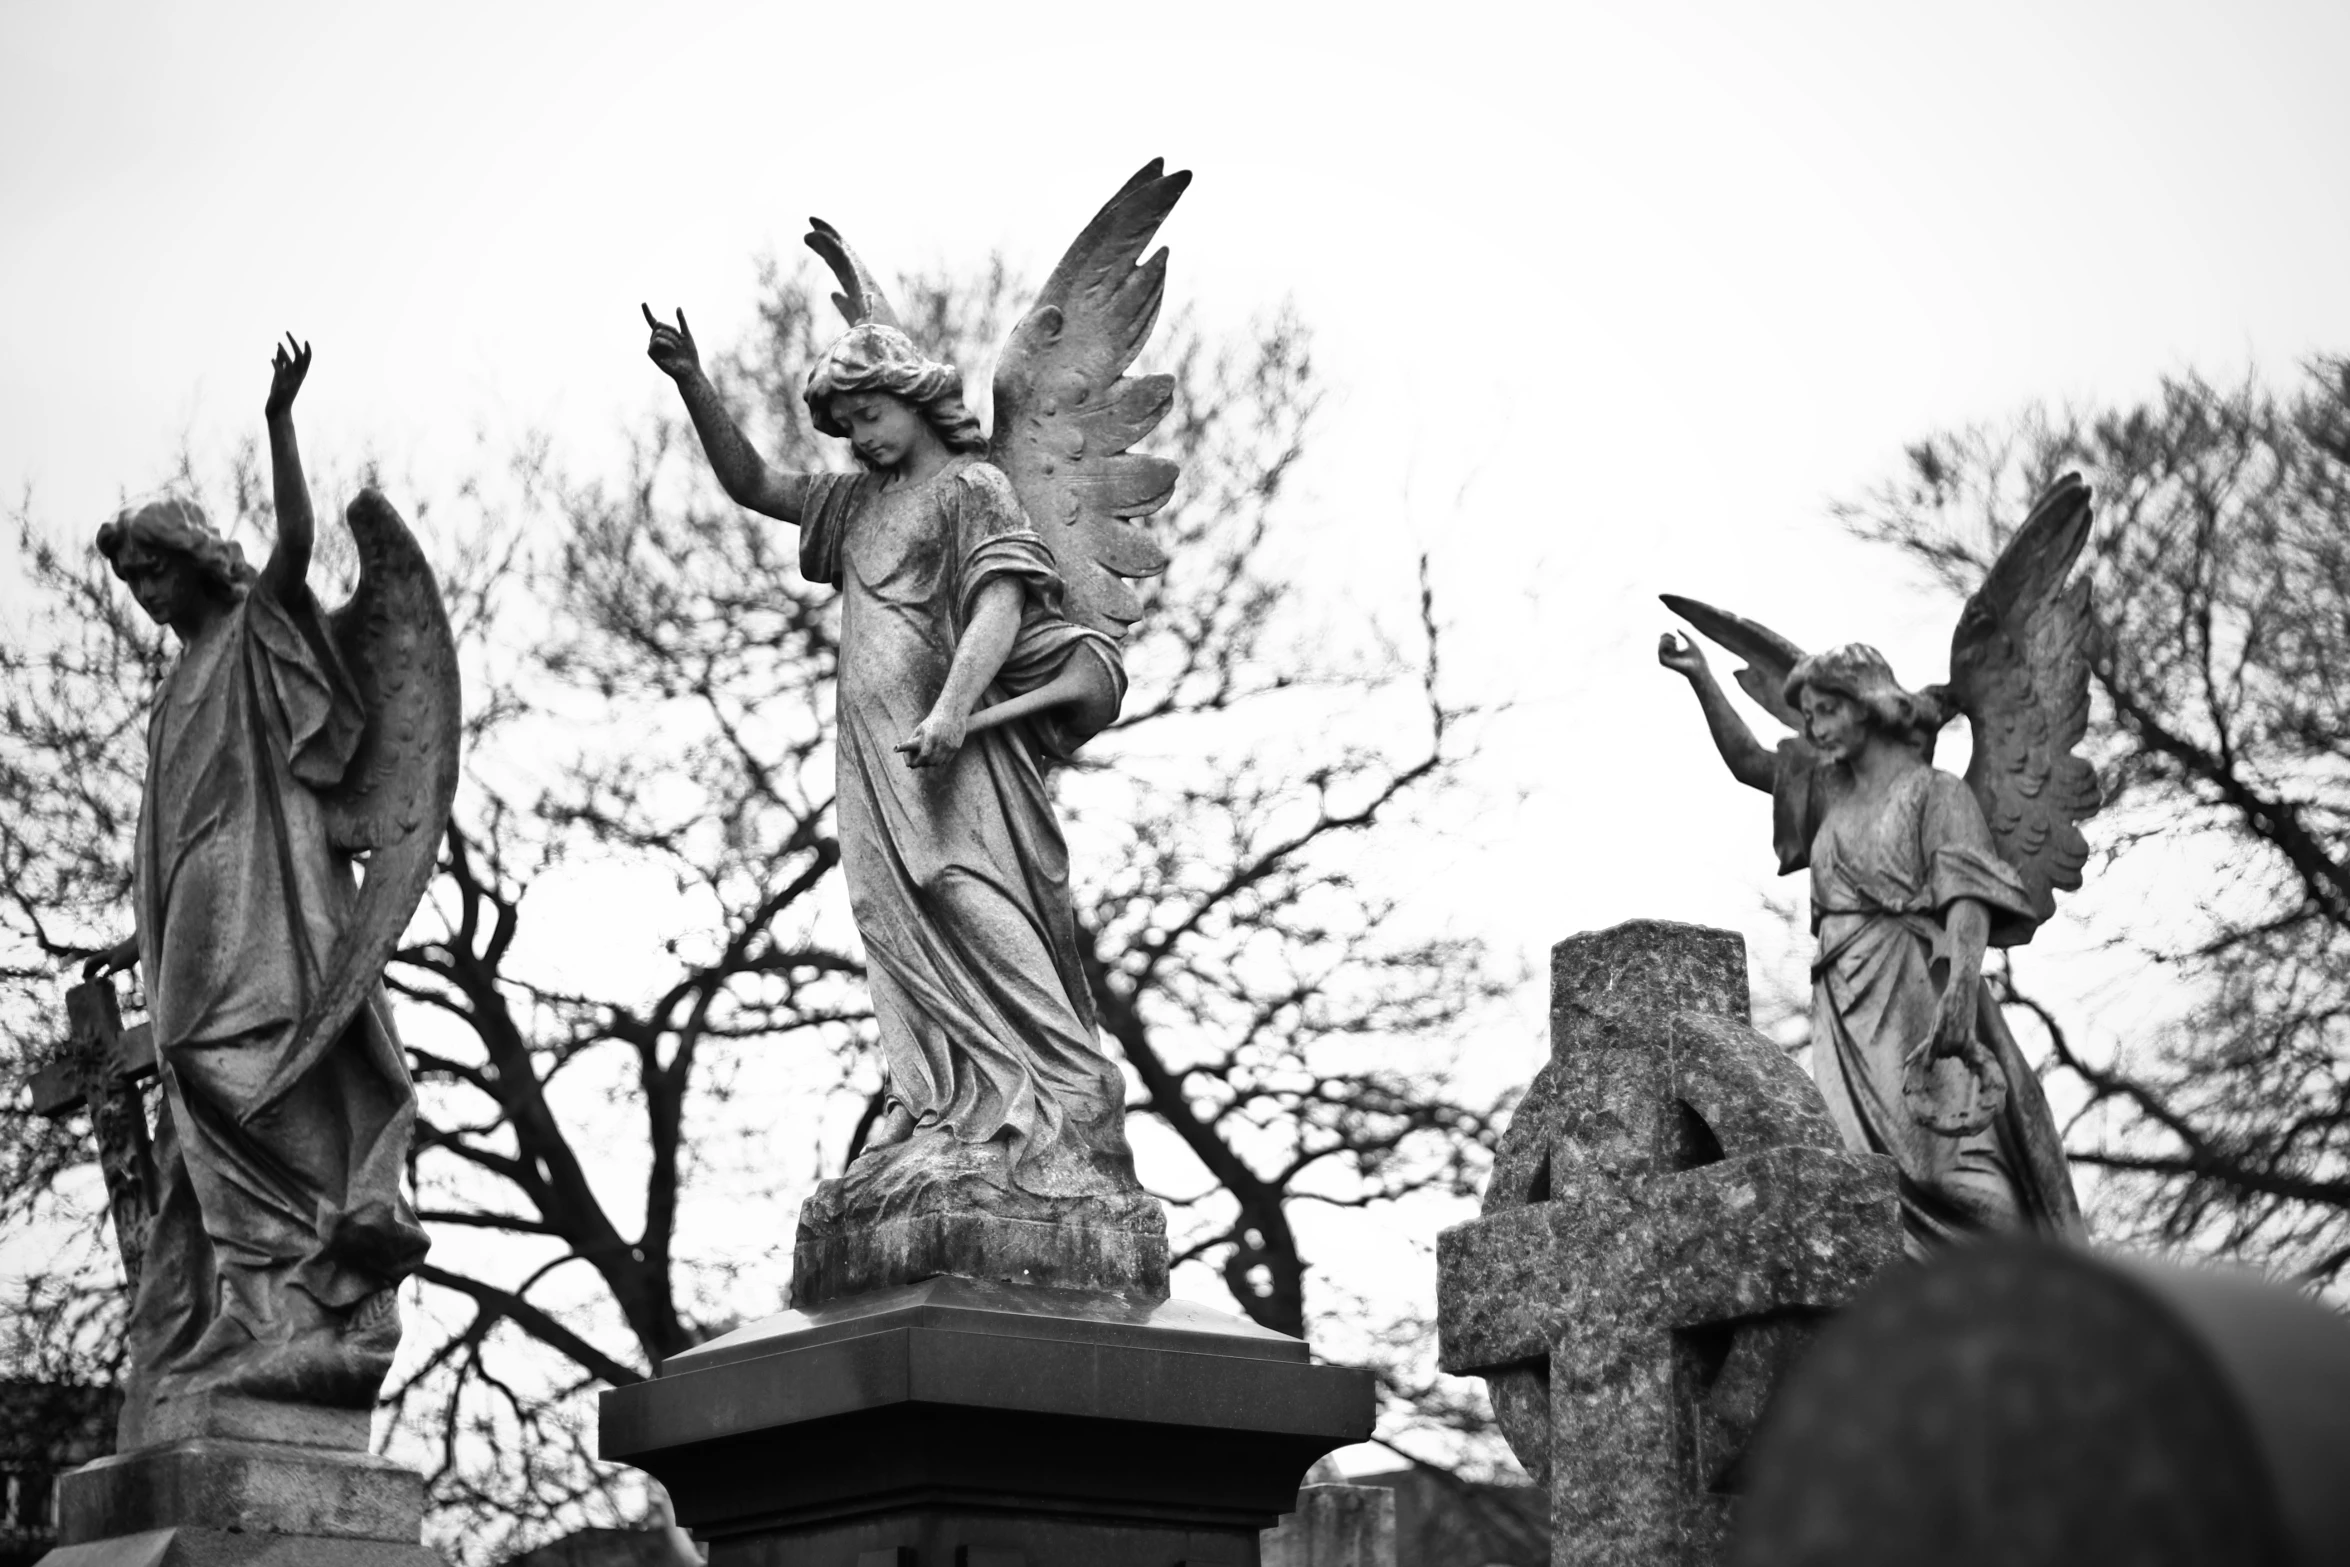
[[935, 740]]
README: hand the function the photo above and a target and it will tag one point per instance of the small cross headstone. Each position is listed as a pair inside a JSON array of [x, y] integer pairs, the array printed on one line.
[[1670, 1214], [101, 1067], [2044, 1406]]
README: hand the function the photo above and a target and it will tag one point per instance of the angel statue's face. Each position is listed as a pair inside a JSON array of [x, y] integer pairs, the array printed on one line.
[[1836, 725], [166, 583], [883, 428]]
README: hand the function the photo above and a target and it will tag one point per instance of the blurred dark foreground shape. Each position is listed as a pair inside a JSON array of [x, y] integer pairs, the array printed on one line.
[[2029, 1404]]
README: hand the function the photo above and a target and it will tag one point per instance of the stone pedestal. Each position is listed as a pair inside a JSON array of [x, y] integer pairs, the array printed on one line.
[[968, 1423], [934, 1205], [210, 1501]]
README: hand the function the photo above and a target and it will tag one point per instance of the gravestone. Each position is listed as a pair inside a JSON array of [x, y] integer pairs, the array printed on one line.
[[2036, 1405], [1670, 1214], [1334, 1525]]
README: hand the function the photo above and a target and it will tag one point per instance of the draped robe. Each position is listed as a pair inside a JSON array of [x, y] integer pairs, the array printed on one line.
[[281, 1225], [1882, 883], [958, 876]]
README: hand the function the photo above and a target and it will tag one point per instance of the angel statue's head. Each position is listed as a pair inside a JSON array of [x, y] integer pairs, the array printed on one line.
[[1846, 692], [171, 559], [875, 362]]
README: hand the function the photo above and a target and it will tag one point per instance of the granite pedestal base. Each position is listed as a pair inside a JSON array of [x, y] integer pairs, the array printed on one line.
[[961, 1423], [220, 1502]]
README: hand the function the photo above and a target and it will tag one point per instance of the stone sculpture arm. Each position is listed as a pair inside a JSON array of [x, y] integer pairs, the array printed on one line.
[[747, 479], [1749, 762], [297, 527], [986, 641], [1966, 932]]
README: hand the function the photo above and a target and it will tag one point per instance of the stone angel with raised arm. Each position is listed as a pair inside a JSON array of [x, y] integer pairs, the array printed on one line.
[[984, 594], [1915, 872], [286, 743]]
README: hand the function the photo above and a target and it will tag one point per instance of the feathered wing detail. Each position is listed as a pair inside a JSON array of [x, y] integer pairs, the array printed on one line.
[[860, 298], [1066, 412], [2019, 670], [393, 801], [1770, 657]]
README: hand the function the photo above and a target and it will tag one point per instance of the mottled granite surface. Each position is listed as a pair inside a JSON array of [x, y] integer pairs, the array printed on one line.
[[1670, 1213]]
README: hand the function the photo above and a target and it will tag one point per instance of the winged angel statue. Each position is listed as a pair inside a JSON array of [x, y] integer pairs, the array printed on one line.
[[1914, 873], [983, 580], [285, 744]]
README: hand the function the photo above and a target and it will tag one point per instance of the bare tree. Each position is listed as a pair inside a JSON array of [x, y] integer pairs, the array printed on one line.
[[2222, 731], [650, 687]]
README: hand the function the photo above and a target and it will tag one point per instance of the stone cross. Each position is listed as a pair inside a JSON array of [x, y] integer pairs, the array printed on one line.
[[101, 1067], [1670, 1213]]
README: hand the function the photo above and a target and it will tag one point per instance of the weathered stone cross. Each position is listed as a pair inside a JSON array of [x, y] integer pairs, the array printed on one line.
[[1670, 1212], [101, 1066]]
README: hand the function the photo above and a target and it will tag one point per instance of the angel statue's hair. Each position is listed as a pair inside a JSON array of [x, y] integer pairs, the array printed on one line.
[[175, 525], [878, 358], [1860, 672]]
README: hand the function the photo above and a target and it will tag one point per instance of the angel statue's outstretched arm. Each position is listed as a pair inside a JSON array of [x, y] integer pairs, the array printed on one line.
[[747, 480], [297, 528], [1749, 762]]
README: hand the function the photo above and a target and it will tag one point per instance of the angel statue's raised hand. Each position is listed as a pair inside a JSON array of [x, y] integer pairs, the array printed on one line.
[[1914, 873], [984, 595], [672, 347], [286, 742], [288, 368]]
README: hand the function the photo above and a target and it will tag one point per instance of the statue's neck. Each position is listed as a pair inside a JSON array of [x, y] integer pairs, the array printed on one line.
[[925, 462], [1883, 758], [199, 618]]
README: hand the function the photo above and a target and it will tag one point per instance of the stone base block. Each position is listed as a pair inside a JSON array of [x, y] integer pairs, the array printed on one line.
[[1070, 1253], [933, 1205], [227, 1548], [242, 1419], [959, 1423], [212, 1500]]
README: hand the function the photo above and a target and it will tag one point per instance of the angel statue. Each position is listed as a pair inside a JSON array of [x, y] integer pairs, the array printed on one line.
[[1914, 873], [284, 743], [983, 598]]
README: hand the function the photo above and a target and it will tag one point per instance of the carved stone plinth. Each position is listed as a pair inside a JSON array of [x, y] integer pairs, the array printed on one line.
[[936, 1206], [958, 1422], [218, 1502]]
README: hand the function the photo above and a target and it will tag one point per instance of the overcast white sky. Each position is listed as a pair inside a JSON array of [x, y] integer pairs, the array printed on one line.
[[1616, 297]]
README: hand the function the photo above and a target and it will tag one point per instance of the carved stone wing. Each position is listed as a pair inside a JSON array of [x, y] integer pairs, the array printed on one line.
[[1066, 412], [393, 802], [1770, 657], [2019, 670], [860, 298]]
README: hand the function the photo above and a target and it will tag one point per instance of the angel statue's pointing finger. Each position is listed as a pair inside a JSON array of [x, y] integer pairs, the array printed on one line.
[[1915, 872], [982, 604]]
